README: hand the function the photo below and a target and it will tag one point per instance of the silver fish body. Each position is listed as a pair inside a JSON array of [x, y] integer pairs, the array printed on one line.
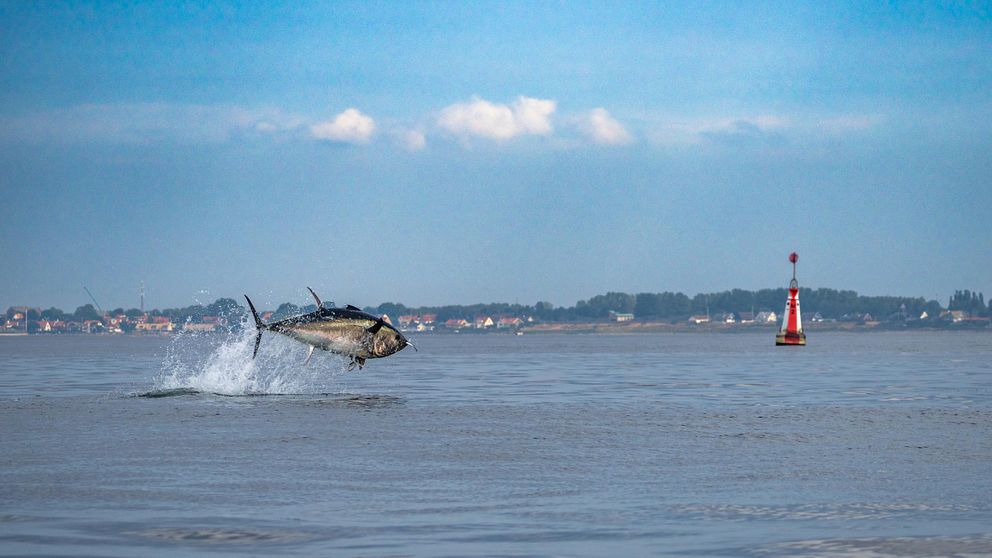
[[345, 331]]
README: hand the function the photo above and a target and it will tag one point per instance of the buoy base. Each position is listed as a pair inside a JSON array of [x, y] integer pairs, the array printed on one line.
[[790, 338]]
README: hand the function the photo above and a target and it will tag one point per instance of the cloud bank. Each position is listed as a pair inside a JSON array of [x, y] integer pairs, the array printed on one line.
[[150, 123], [481, 118]]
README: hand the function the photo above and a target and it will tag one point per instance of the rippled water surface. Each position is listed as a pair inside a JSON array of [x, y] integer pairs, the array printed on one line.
[[574, 445]]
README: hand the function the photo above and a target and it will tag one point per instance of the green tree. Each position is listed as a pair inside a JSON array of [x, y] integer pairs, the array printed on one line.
[[393, 309], [86, 312], [971, 302], [647, 305], [226, 308], [53, 314], [544, 310]]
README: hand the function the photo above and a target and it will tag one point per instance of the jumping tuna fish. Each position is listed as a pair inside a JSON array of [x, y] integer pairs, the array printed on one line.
[[346, 331]]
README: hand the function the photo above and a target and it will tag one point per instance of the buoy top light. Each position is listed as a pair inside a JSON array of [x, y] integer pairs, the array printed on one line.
[[793, 257]]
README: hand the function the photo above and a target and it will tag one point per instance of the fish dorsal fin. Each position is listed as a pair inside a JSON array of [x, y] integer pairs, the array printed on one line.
[[351, 307], [317, 298], [376, 326]]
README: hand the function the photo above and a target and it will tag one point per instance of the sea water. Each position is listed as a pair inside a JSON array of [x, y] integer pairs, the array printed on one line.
[[873, 444]]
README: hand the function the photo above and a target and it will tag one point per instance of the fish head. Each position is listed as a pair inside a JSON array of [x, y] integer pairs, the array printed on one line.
[[388, 341]]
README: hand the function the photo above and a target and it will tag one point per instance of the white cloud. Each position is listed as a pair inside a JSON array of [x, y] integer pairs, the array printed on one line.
[[479, 117], [533, 115], [411, 140], [351, 126], [602, 128]]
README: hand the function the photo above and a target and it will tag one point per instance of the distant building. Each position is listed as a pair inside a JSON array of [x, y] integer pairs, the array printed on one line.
[[766, 318], [154, 327], [428, 319], [745, 317], [621, 316], [508, 321], [483, 322], [724, 318], [701, 319], [456, 323]]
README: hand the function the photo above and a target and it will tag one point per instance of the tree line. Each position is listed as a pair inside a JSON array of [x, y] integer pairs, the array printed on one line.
[[670, 306], [829, 303], [222, 307]]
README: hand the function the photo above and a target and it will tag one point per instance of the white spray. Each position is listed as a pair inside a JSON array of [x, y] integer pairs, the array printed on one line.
[[223, 364]]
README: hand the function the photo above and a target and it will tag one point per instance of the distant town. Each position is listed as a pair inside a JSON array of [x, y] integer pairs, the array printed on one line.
[[735, 309]]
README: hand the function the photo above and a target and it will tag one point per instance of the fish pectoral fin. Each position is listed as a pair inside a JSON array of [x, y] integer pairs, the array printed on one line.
[[353, 307], [316, 298], [309, 356], [356, 361], [376, 326]]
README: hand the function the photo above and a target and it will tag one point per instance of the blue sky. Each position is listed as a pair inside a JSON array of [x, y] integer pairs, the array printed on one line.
[[474, 152]]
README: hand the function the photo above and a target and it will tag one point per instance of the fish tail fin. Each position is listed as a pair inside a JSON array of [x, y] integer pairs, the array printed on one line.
[[254, 313], [259, 326]]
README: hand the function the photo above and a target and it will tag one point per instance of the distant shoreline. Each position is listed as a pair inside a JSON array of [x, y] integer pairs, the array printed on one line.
[[667, 327], [605, 328]]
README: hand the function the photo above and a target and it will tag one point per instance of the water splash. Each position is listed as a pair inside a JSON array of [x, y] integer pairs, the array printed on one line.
[[222, 364]]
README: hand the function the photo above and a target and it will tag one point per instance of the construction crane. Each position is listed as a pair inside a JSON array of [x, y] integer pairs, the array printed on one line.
[[93, 299]]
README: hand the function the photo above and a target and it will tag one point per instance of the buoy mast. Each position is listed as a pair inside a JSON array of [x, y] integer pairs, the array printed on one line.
[[792, 323]]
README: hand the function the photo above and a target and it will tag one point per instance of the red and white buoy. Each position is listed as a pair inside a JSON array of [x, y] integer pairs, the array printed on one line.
[[792, 322]]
